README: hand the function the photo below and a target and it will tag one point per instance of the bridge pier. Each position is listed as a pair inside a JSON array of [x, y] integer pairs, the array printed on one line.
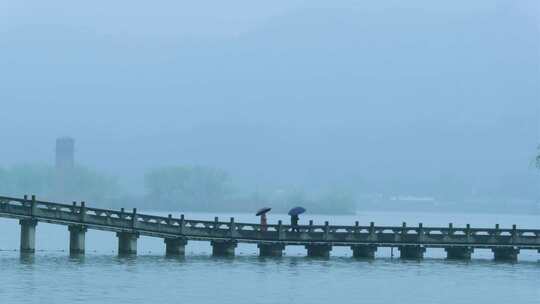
[[175, 246], [271, 250], [459, 252], [505, 253], [223, 248], [28, 235], [411, 252], [127, 243], [77, 235], [364, 251], [318, 251]]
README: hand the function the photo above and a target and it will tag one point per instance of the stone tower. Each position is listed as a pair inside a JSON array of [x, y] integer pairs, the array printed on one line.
[[65, 153]]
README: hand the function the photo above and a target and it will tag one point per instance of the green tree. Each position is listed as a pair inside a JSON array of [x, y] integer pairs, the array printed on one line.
[[81, 183], [47, 183], [193, 188], [537, 160], [26, 179]]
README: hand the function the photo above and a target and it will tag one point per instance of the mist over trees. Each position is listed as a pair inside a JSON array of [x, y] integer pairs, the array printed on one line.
[[26, 179], [79, 183], [192, 188], [176, 188], [197, 188]]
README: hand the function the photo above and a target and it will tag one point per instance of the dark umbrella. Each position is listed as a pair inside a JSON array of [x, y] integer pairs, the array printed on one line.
[[263, 211], [297, 211]]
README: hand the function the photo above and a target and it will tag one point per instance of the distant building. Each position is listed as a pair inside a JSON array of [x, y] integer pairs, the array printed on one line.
[[65, 153]]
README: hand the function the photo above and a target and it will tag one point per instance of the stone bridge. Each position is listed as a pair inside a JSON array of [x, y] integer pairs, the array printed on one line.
[[412, 241]]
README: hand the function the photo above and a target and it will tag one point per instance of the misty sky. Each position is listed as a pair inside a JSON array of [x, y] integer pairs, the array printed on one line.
[[375, 95]]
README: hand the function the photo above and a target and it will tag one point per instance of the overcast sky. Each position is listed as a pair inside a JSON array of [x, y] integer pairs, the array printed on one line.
[[399, 93]]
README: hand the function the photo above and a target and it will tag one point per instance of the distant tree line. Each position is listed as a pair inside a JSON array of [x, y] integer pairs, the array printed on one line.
[[175, 188], [198, 188], [190, 188], [79, 183], [209, 189]]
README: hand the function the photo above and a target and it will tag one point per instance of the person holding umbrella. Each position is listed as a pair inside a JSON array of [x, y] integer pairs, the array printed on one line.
[[262, 213], [294, 212]]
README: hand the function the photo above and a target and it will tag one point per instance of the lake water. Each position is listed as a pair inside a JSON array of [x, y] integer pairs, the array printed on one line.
[[51, 276]]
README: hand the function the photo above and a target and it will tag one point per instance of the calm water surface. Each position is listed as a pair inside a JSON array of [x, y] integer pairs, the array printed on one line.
[[50, 276]]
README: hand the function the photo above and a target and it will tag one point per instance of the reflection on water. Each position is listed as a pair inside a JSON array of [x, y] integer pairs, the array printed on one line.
[[27, 258], [59, 278]]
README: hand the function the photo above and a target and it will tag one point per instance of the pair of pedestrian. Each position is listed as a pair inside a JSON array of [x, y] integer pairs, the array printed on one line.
[[294, 213]]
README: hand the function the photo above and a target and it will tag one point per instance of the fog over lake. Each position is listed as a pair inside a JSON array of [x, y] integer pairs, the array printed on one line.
[[422, 99]]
